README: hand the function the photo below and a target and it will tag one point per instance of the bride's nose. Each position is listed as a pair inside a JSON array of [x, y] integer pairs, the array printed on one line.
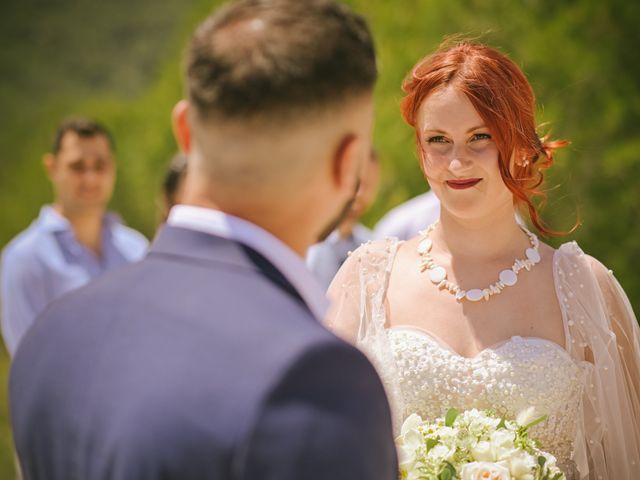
[[458, 162]]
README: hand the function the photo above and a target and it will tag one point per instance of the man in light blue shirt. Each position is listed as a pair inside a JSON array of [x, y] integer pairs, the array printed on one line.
[[324, 259], [72, 241]]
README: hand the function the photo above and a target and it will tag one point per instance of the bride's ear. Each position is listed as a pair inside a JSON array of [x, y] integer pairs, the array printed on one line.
[[348, 162], [181, 126]]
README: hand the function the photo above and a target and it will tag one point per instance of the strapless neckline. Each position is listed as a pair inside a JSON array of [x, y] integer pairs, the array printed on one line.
[[433, 338]]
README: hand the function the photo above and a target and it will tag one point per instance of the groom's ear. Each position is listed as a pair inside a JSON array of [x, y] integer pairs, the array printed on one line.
[[347, 163], [181, 126]]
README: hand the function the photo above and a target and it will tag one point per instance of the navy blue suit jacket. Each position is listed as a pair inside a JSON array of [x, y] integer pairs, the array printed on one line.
[[199, 362]]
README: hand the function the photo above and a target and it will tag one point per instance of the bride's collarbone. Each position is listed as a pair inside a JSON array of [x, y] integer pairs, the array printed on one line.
[[528, 309]]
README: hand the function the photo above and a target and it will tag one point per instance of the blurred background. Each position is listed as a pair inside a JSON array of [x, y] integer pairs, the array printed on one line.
[[119, 62]]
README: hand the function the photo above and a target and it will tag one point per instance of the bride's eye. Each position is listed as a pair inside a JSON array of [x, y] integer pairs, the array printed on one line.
[[480, 136]]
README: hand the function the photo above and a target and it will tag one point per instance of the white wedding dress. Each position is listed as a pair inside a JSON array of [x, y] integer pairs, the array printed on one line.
[[589, 389]]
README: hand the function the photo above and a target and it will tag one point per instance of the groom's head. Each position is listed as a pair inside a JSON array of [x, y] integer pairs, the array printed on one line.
[[279, 112]]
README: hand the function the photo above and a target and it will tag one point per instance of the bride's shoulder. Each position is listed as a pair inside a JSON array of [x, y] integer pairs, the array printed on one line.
[[369, 262], [366, 265], [569, 256], [374, 251]]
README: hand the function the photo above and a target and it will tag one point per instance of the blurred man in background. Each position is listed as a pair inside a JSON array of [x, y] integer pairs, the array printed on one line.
[[173, 184], [325, 258], [410, 217], [72, 241]]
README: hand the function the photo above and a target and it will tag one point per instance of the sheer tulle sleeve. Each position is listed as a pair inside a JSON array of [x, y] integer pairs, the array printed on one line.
[[602, 334], [346, 312], [359, 310]]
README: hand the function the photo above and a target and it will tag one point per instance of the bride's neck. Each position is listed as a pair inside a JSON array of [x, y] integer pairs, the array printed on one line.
[[488, 238]]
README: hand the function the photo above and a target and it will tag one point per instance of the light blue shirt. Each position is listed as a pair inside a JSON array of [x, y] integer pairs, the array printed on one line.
[[407, 219], [324, 259], [46, 261]]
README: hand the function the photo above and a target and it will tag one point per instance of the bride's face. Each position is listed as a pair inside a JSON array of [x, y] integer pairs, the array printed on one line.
[[459, 156]]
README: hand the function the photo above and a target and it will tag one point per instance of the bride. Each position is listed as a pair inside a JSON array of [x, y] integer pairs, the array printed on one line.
[[476, 312]]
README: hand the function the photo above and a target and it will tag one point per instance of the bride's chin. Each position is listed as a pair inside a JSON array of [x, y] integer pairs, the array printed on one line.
[[463, 211], [479, 207]]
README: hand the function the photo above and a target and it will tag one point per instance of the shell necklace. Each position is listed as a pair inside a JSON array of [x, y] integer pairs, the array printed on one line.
[[507, 278]]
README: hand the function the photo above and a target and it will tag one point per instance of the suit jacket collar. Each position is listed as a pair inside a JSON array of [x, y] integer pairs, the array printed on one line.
[[204, 247]]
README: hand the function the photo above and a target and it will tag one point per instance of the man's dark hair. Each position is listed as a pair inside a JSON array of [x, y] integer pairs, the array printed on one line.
[[83, 127], [256, 57]]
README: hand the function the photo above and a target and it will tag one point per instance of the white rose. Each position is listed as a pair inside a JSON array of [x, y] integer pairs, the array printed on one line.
[[406, 457], [499, 447], [409, 441], [441, 453], [484, 471], [522, 465], [502, 444], [483, 452], [412, 422]]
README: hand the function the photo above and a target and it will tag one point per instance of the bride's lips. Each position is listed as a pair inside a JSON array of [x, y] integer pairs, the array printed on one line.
[[461, 184]]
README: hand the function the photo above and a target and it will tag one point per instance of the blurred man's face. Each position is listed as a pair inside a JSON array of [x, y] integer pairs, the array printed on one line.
[[82, 173], [366, 193], [344, 213], [361, 115]]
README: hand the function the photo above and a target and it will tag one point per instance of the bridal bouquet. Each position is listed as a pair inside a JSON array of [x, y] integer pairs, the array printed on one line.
[[473, 445]]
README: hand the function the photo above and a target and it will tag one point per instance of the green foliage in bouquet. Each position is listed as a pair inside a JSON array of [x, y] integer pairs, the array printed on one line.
[[472, 445]]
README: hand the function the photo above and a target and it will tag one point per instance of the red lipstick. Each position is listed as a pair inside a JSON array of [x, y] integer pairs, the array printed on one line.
[[461, 184]]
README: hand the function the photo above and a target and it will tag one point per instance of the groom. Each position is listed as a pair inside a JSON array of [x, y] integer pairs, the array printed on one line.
[[207, 360]]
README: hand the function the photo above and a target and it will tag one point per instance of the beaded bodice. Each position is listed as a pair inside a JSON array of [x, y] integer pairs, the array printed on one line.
[[506, 378], [588, 387]]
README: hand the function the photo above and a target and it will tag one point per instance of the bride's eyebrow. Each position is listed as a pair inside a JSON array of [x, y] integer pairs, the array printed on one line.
[[435, 130]]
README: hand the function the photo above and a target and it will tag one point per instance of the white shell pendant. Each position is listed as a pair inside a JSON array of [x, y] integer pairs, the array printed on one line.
[[532, 254], [425, 246], [475, 295], [437, 274], [508, 277]]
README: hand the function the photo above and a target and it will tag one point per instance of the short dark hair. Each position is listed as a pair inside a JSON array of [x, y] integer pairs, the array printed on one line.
[[83, 127], [256, 57]]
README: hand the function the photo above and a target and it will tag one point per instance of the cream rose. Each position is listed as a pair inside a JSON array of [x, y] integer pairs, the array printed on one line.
[[484, 471]]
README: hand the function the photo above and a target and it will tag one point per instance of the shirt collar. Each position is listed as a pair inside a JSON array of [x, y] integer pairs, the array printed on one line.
[[221, 224], [51, 220]]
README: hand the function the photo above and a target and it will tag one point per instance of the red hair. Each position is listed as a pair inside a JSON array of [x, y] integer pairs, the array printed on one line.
[[504, 99]]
